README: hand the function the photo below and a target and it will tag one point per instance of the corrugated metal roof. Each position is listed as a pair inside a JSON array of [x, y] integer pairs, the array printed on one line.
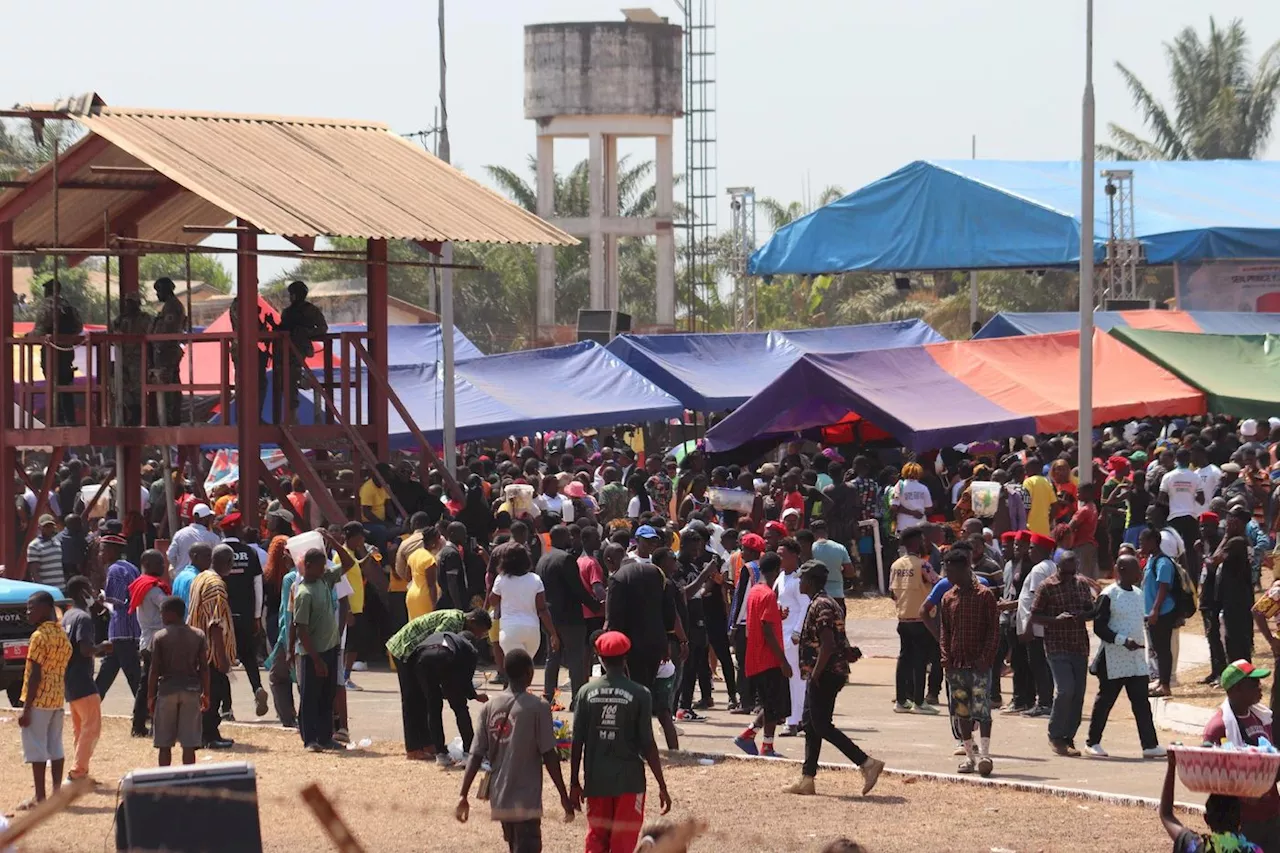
[[296, 177]]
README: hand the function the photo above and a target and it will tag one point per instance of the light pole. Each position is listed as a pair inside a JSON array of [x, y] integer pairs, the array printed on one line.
[[450, 437], [1085, 432]]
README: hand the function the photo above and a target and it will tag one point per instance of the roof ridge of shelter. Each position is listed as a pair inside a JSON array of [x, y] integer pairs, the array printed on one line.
[[208, 115], [938, 164]]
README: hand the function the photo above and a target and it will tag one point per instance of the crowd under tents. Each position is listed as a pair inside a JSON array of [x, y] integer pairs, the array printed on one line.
[[519, 393], [941, 394], [996, 214], [1239, 374], [715, 371], [1007, 324]]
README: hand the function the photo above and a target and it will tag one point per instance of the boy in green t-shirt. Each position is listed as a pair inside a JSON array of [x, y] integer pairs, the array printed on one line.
[[613, 732]]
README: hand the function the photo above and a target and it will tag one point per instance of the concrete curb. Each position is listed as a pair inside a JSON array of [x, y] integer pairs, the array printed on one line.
[[1008, 784], [1180, 717]]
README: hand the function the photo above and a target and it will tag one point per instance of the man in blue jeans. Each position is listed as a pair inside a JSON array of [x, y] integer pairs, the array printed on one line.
[[1063, 605]]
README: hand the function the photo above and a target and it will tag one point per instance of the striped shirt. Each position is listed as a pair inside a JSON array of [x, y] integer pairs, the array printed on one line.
[[44, 561], [209, 607]]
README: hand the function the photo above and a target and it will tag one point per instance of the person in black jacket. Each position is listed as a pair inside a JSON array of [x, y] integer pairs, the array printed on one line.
[[446, 666], [451, 569], [637, 606], [566, 596]]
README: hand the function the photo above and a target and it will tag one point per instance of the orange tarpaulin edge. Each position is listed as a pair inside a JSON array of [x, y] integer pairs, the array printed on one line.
[[1161, 321], [1038, 375]]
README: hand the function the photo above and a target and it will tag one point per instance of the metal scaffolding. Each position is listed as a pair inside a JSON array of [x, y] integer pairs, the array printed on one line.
[[1124, 250], [700, 154], [742, 207]]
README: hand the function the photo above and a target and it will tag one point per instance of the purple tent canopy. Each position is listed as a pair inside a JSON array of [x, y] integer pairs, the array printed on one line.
[[904, 392]]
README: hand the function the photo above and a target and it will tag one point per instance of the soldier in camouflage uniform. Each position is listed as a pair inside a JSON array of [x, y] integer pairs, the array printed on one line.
[[166, 356], [132, 321], [305, 324], [66, 323]]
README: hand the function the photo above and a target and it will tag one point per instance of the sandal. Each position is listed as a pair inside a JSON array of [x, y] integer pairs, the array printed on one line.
[[26, 805]]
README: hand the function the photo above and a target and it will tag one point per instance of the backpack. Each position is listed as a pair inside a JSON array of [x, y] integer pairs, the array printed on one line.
[[1183, 592]]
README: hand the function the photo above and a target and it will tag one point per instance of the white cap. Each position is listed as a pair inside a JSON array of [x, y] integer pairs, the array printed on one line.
[[1273, 422], [201, 511], [790, 511], [1249, 428]]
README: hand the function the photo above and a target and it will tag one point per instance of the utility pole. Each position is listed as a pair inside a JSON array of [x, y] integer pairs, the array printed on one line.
[[1085, 435], [446, 289]]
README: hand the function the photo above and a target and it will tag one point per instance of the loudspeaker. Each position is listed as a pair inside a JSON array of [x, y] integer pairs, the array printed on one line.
[[601, 326], [180, 809]]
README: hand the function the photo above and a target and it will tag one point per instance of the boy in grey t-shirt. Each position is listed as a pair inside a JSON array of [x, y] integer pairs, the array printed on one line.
[[514, 735]]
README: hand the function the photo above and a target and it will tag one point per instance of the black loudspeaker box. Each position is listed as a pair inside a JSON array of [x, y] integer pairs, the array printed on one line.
[[182, 809]]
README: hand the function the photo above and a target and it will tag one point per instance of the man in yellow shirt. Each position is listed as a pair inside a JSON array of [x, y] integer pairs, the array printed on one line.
[[1042, 495], [367, 562], [48, 653]]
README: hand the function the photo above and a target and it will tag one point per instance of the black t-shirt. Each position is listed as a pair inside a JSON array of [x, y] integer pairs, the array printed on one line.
[[245, 566], [673, 599], [696, 625], [412, 496], [452, 578]]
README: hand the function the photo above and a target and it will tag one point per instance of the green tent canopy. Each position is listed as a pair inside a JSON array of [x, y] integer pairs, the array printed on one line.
[[1239, 374]]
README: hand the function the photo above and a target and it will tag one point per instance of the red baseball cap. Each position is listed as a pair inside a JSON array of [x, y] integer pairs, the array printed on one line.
[[231, 519], [754, 542], [612, 644], [777, 526], [1039, 540]]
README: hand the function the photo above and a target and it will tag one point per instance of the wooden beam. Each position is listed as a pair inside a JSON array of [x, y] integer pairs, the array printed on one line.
[[87, 185], [41, 182], [127, 219]]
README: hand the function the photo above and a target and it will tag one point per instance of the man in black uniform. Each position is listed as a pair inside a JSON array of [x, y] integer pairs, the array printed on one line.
[[244, 594], [305, 324], [59, 317]]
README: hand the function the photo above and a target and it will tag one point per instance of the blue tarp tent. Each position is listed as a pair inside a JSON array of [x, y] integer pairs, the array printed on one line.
[[578, 385], [995, 214], [418, 343], [710, 372], [1009, 324]]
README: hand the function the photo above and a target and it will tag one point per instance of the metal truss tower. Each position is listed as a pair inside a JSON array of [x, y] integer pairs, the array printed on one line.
[[1124, 250], [742, 206], [700, 155]]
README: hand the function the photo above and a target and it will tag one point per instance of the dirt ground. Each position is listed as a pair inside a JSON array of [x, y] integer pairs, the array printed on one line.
[[870, 607], [394, 805]]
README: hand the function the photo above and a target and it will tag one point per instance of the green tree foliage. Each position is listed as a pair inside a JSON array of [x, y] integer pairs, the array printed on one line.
[[1223, 106], [204, 268]]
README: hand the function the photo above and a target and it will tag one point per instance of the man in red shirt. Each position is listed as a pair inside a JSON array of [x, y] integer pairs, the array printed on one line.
[[767, 668], [592, 575], [1084, 530]]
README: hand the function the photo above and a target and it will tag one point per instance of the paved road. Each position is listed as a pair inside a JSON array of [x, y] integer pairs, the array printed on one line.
[[864, 711]]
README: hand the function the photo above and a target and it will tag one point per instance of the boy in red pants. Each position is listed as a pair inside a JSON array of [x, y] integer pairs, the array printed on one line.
[[612, 741]]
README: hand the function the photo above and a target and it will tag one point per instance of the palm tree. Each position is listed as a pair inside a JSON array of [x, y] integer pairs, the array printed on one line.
[[1222, 107]]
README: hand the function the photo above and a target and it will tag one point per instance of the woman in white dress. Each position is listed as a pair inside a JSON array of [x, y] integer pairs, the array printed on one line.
[[1121, 662], [520, 602]]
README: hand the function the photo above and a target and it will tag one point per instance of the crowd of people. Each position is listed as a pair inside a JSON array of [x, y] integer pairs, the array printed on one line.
[[662, 572]]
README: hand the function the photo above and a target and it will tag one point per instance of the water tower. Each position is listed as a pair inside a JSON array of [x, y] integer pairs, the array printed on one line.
[[602, 81]]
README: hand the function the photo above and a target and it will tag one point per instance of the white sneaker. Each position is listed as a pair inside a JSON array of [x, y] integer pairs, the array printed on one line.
[[1157, 751], [960, 750], [359, 666], [1095, 751], [927, 709]]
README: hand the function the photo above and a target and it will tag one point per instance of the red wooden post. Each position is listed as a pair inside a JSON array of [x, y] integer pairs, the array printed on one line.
[[129, 477], [9, 492], [248, 420], [376, 276]]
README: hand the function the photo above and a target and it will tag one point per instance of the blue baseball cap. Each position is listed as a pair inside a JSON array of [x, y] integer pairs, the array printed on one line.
[[647, 532]]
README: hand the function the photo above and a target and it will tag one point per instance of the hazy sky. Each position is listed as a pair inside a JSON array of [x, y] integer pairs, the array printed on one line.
[[810, 93]]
